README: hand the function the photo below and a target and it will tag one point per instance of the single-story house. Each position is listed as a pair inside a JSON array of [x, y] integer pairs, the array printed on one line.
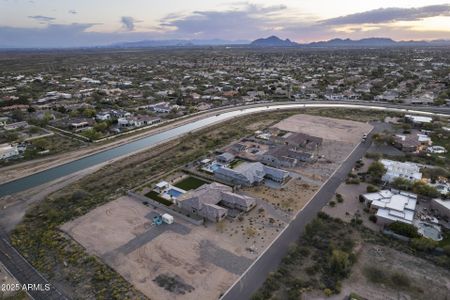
[[395, 169], [225, 158], [391, 206]]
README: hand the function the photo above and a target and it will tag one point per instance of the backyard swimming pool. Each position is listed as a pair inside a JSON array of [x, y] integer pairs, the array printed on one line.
[[429, 231], [174, 193], [214, 167]]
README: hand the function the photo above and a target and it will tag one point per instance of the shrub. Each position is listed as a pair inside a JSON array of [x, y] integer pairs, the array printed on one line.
[[425, 190], [353, 181], [376, 171], [404, 229], [371, 189], [373, 218], [400, 280], [328, 292], [401, 184], [375, 275], [423, 244], [339, 198], [332, 203]]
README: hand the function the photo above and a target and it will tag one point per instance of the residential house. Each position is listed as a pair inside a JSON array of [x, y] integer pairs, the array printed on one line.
[[413, 142], [137, 121], [297, 140], [213, 201], [7, 151], [250, 174], [17, 125], [225, 158], [391, 206], [285, 156], [418, 120], [395, 169]]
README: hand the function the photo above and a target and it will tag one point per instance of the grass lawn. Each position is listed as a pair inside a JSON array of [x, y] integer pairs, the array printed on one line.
[[190, 183], [235, 163], [155, 196]]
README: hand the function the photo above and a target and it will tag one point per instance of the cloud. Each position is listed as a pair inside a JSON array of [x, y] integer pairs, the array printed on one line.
[[244, 21], [128, 23], [42, 18], [67, 35], [72, 12], [391, 14]]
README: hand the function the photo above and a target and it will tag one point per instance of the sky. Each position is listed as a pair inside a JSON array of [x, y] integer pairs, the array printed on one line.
[[80, 23]]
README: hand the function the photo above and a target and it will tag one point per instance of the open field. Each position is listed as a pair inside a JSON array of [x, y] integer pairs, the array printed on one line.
[[326, 128], [291, 197], [201, 262]]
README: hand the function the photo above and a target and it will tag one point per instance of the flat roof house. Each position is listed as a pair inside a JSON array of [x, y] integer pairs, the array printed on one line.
[[7, 151], [250, 174], [418, 119], [298, 140], [225, 158], [285, 156], [395, 169], [391, 206], [212, 201]]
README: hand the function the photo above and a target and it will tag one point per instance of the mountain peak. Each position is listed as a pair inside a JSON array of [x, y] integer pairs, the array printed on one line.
[[273, 41]]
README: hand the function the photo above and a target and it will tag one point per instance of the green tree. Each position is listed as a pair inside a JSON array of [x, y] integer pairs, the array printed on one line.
[[423, 189], [401, 184], [376, 171], [339, 262]]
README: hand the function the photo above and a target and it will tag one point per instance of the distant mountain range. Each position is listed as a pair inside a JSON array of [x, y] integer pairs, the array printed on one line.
[[179, 43], [274, 41]]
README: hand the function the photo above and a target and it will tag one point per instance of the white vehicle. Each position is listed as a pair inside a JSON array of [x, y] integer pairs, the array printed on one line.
[[364, 138], [436, 149], [168, 219]]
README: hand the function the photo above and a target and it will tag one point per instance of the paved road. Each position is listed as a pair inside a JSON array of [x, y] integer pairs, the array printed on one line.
[[269, 261], [24, 272]]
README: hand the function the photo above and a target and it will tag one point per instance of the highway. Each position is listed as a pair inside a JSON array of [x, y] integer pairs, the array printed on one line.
[[268, 262]]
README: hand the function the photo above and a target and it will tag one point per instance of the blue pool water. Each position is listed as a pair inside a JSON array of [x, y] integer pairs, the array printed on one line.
[[174, 193], [214, 167]]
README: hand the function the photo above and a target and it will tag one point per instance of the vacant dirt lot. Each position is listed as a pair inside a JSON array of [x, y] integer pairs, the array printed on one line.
[[326, 128], [292, 196], [177, 261]]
